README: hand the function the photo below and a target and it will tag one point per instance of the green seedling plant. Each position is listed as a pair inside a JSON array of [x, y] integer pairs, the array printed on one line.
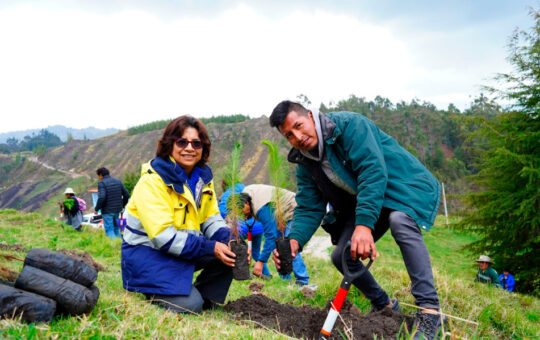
[[278, 173], [233, 176], [239, 247], [278, 170]]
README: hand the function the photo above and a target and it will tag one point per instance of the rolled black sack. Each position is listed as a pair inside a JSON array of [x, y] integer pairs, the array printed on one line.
[[61, 265], [71, 297], [28, 306]]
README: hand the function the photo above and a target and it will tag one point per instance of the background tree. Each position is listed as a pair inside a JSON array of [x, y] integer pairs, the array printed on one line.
[[130, 180], [504, 209]]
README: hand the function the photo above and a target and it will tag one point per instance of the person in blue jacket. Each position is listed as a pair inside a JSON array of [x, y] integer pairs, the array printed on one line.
[[507, 280], [174, 227], [245, 225], [257, 200], [373, 185]]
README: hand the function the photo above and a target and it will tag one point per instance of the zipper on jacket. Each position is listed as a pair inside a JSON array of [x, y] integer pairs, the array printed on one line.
[[185, 215]]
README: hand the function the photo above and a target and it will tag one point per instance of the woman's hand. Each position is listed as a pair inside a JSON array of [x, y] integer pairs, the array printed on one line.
[[224, 254]]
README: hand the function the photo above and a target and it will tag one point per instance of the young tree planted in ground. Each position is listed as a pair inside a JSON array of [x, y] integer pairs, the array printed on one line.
[[504, 209]]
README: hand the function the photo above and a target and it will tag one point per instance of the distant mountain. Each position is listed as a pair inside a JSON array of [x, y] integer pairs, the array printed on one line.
[[62, 132]]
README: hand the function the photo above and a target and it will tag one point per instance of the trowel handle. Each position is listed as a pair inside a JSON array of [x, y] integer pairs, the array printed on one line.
[[341, 295]]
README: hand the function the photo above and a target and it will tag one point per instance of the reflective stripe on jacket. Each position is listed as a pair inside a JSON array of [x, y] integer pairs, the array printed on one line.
[[168, 229]]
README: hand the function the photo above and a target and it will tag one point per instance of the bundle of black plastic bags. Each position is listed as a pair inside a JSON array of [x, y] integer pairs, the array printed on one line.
[[50, 283]]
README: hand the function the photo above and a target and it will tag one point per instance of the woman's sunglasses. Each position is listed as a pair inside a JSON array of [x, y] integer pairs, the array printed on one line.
[[183, 143]]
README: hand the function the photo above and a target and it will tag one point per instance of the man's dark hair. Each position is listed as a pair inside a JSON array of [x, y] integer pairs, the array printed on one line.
[[175, 129], [102, 171], [240, 200], [280, 112]]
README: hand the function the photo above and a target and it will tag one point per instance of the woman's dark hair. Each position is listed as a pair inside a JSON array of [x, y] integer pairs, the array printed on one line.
[[175, 129], [282, 109]]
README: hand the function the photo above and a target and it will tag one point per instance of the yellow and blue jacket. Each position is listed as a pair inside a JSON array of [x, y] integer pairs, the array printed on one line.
[[169, 228]]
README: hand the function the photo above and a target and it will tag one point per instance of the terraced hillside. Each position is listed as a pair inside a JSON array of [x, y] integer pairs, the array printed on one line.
[[32, 183]]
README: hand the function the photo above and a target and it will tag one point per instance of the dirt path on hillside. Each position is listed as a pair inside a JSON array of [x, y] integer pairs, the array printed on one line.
[[50, 167], [318, 247]]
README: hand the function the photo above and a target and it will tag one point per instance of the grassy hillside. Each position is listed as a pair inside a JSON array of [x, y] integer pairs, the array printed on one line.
[[118, 314], [28, 185], [32, 183]]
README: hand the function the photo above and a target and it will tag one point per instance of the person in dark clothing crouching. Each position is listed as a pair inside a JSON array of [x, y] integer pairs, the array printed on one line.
[[373, 185]]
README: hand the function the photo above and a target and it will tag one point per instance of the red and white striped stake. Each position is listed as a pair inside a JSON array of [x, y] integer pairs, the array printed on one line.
[[249, 238], [250, 234], [341, 295]]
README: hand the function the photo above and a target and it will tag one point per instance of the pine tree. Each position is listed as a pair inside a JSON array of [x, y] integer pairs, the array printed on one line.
[[504, 209]]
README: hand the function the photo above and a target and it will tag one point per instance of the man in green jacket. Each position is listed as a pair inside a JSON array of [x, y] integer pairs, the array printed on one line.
[[373, 185], [486, 274]]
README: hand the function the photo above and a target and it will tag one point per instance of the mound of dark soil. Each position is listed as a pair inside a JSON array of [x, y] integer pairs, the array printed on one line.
[[306, 321]]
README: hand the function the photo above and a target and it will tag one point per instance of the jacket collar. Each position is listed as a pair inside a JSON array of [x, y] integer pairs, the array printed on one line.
[[174, 176], [329, 136]]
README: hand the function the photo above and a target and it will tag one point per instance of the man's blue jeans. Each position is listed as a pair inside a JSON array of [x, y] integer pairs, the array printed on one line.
[[266, 216], [256, 241], [110, 224]]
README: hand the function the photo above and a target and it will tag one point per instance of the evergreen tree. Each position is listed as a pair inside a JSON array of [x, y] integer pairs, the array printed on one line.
[[130, 180], [504, 209]]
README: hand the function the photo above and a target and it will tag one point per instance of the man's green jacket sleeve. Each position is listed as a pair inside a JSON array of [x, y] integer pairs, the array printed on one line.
[[360, 145], [310, 208]]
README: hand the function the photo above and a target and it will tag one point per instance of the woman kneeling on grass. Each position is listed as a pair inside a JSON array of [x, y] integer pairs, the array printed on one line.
[[174, 227]]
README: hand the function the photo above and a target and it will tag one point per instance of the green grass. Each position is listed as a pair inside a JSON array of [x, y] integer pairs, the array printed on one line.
[[122, 315]]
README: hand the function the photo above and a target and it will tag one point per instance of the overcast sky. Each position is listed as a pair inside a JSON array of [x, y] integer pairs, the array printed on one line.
[[117, 63]]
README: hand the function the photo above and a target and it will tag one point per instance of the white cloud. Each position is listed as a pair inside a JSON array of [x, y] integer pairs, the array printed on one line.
[[83, 68]]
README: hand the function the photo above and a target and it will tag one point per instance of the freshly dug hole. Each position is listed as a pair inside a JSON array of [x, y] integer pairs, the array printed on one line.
[[306, 321]]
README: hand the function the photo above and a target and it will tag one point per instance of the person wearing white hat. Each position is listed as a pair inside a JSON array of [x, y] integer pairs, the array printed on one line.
[[486, 274], [71, 209]]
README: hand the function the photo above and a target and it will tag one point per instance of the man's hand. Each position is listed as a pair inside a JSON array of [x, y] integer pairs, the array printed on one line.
[[257, 269], [362, 243], [224, 254], [294, 251]]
